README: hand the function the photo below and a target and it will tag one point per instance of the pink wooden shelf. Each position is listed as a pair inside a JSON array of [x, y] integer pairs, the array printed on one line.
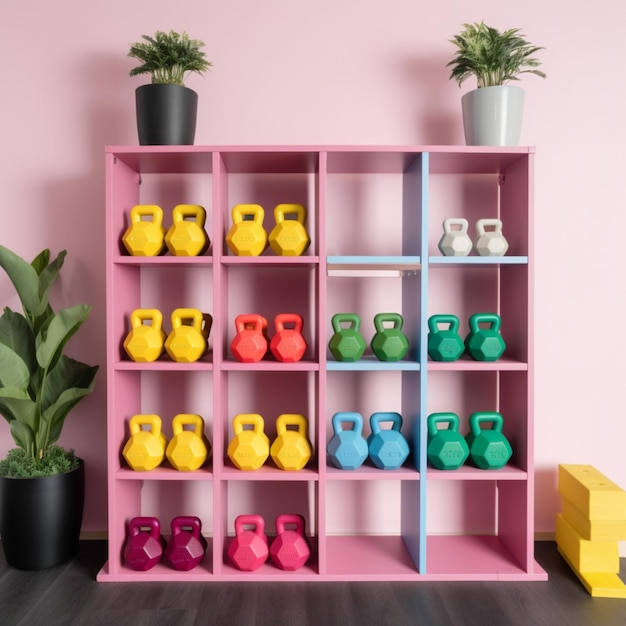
[[373, 216]]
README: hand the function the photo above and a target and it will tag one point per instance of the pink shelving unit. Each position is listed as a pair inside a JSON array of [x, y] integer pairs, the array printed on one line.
[[374, 217]]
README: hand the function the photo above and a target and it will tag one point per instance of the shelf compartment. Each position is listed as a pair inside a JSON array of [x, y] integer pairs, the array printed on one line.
[[269, 499], [368, 558], [374, 205], [376, 526], [475, 557], [271, 393], [269, 290]]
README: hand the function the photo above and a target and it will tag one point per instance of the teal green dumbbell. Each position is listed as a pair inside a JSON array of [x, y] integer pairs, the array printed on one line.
[[447, 448], [444, 344], [347, 343], [488, 447], [389, 343], [485, 344]]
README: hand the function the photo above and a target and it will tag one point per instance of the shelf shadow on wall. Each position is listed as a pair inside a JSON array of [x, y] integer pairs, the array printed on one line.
[[438, 119]]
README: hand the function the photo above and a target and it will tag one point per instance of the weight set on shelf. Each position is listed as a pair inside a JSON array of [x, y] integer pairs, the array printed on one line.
[[249, 448], [251, 341], [185, 237], [186, 343], [250, 547], [481, 343], [147, 447], [146, 546], [486, 448], [455, 240], [348, 345], [387, 448], [248, 237]]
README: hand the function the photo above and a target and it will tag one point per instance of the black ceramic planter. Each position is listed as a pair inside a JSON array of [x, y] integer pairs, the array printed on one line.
[[166, 115], [40, 518]]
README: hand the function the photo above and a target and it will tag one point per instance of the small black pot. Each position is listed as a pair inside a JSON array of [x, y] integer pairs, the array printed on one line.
[[166, 115], [40, 518]]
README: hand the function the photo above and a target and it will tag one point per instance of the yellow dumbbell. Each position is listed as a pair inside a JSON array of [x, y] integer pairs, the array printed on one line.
[[250, 447], [291, 449], [186, 236], [145, 449], [246, 236], [188, 449], [188, 339], [144, 342], [289, 237], [145, 237]]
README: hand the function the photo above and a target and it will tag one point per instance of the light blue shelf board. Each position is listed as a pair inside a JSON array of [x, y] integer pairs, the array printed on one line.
[[477, 260], [373, 366]]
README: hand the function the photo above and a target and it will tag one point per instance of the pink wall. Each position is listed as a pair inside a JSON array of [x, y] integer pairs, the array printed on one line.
[[338, 72]]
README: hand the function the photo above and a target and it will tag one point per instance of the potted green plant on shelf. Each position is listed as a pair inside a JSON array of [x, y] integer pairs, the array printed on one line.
[[492, 113], [41, 484], [166, 108]]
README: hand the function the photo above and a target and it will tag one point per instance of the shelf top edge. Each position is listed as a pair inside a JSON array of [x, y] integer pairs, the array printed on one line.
[[413, 148]]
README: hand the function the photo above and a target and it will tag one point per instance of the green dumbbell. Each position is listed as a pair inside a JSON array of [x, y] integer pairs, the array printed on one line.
[[389, 343], [444, 344], [347, 344], [485, 344], [488, 448], [447, 449]]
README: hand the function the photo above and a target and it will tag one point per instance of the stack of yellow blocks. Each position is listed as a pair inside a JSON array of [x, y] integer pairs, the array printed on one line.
[[589, 528]]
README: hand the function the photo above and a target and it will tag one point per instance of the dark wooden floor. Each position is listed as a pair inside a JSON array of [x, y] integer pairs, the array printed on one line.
[[69, 595]]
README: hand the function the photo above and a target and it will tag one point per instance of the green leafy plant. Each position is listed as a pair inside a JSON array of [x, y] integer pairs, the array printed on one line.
[[169, 57], [39, 385], [494, 57]]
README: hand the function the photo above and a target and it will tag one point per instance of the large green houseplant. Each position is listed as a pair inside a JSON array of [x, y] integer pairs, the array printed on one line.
[[492, 113], [166, 108], [39, 386]]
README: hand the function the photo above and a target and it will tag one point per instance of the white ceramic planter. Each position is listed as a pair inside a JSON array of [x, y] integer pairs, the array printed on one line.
[[492, 116]]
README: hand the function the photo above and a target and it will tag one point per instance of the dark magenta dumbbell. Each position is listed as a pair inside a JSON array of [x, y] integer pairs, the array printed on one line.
[[144, 547], [187, 546]]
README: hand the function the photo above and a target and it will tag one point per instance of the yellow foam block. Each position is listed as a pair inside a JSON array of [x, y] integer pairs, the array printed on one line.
[[593, 530], [592, 493], [583, 555], [599, 584]]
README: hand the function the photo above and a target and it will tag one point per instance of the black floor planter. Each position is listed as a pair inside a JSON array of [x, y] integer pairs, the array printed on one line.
[[40, 518], [166, 115]]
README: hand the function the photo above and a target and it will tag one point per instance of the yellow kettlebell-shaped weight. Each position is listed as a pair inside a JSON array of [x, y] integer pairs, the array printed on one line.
[[188, 339], [186, 236], [291, 449], [249, 447], [145, 237], [188, 449], [289, 237], [144, 342], [246, 236], [145, 449]]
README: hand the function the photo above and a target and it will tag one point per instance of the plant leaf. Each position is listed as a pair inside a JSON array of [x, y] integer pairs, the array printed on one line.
[[16, 404], [66, 385], [23, 435], [58, 330]]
